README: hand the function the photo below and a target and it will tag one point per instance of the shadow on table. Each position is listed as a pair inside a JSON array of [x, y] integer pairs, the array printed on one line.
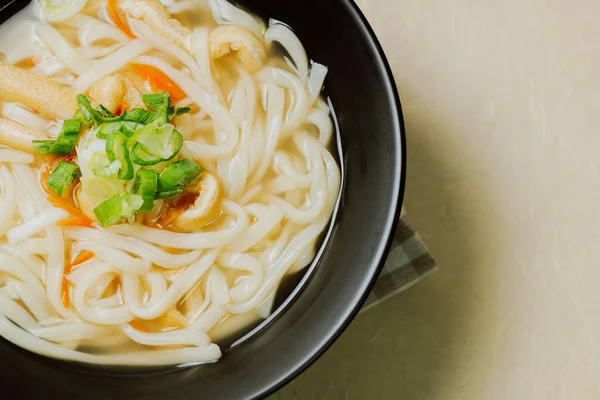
[[409, 346]]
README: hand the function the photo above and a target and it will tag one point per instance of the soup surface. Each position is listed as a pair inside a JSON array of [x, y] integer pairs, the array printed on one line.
[[163, 167]]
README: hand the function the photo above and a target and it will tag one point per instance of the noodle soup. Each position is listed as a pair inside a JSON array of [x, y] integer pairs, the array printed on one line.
[[164, 167]]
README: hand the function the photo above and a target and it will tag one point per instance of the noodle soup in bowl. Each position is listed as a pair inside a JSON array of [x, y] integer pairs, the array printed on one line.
[[178, 191]]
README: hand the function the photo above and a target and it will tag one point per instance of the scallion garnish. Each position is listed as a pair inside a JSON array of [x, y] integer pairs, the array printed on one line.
[[87, 110], [118, 208], [111, 169], [146, 181], [62, 177], [64, 143], [116, 149], [126, 127], [140, 157], [157, 101], [175, 112], [141, 137], [140, 116], [176, 176], [163, 142]]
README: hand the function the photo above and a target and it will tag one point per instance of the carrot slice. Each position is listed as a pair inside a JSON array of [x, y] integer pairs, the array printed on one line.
[[114, 15], [75, 222], [65, 293], [159, 82], [26, 63], [80, 259]]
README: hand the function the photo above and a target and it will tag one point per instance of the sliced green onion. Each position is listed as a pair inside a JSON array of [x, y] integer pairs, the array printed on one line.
[[140, 157], [140, 116], [168, 194], [71, 126], [63, 176], [157, 101], [79, 115], [126, 127], [129, 128], [116, 149], [117, 208], [178, 175], [111, 169], [107, 116], [146, 181], [175, 112], [99, 115], [51, 147], [64, 143], [164, 142], [105, 113], [87, 110]]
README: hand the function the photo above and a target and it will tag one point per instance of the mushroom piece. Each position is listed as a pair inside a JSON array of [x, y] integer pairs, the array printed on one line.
[[18, 136], [205, 209], [227, 39], [37, 92], [156, 16]]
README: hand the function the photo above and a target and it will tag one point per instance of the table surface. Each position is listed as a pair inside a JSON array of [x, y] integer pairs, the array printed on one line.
[[501, 106]]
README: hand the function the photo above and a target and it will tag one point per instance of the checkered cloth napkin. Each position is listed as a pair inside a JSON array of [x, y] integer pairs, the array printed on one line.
[[408, 262]]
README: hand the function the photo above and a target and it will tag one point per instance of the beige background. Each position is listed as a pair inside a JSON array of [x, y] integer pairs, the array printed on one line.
[[501, 100]]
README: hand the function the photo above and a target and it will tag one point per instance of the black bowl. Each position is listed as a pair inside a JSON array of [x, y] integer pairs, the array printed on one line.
[[362, 90]]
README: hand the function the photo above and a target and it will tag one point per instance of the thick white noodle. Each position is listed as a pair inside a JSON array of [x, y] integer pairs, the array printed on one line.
[[316, 78], [109, 64], [273, 97], [97, 315], [234, 171], [158, 42], [323, 123], [94, 30], [226, 13], [33, 226], [281, 33], [182, 284], [23, 116], [62, 49], [91, 53], [137, 247], [8, 204], [200, 50], [113, 256], [302, 101], [190, 241]]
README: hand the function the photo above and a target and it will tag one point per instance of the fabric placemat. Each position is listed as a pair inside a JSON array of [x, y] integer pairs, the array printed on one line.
[[408, 262]]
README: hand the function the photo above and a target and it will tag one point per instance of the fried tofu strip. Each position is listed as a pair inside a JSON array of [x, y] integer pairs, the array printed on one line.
[[37, 92], [18, 136], [114, 91], [233, 39]]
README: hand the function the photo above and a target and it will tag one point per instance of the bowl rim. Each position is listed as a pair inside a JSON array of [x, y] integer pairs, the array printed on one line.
[[391, 222]]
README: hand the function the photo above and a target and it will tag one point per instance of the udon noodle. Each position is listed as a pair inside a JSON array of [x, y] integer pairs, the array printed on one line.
[[157, 285]]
